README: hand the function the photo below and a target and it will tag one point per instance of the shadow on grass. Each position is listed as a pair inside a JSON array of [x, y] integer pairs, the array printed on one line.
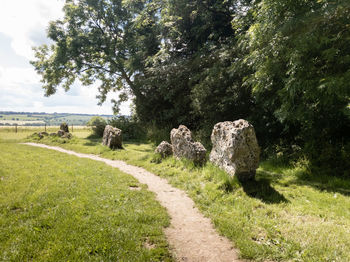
[[324, 182], [262, 189], [90, 143]]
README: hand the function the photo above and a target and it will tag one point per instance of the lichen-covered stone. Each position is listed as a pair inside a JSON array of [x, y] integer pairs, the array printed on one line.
[[164, 149], [235, 148], [60, 133], [64, 127], [112, 137], [184, 146]]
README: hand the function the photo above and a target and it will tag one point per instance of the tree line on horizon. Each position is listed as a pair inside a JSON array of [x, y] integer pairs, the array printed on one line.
[[284, 65]]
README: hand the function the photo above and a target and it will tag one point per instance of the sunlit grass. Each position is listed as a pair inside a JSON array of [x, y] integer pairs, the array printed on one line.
[[285, 215], [56, 207]]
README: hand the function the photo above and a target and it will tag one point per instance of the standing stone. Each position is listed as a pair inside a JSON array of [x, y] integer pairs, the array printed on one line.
[[164, 149], [235, 148], [184, 146], [112, 137], [64, 127]]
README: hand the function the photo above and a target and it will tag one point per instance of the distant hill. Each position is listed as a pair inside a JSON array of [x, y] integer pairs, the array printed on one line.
[[42, 118]]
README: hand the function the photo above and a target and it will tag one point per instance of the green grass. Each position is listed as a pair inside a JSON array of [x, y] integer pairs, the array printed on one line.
[[285, 215], [56, 207]]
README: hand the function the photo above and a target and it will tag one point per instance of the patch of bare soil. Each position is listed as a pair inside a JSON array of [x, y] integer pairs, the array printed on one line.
[[191, 235]]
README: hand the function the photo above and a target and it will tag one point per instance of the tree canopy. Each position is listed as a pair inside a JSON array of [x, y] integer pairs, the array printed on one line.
[[284, 65]]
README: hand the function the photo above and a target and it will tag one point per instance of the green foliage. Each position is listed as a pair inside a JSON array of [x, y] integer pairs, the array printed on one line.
[[98, 125], [99, 40], [156, 134], [282, 65], [300, 54], [131, 129]]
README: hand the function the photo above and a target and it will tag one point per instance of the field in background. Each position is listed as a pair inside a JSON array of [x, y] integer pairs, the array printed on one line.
[[9, 132], [26, 118]]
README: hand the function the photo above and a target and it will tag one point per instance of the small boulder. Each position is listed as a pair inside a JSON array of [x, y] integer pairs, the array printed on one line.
[[53, 134], [164, 149], [67, 135], [60, 133], [64, 127], [112, 137], [37, 135], [235, 148], [44, 133], [184, 146]]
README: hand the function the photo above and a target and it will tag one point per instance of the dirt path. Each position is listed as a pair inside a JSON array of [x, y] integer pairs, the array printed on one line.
[[191, 235]]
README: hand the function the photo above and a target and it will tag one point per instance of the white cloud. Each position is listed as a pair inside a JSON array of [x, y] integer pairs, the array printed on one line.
[[24, 23], [19, 18]]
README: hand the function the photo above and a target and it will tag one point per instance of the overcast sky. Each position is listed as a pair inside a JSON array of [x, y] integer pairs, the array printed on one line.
[[23, 24]]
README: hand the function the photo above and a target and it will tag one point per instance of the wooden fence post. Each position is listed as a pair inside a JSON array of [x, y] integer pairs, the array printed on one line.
[[45, 127], [72, 128], [16, 127]]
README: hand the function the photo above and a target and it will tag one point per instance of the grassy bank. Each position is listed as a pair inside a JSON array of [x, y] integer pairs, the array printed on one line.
[[55, 207], [285, 215]]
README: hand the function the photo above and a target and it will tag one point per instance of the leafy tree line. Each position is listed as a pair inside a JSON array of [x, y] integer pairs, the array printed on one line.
[[284, 65]]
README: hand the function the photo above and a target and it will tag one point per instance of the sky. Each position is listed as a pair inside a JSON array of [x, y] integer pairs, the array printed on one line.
[[23, 24]]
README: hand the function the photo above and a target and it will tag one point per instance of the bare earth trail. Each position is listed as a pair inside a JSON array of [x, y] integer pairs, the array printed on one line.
[[190, 234]]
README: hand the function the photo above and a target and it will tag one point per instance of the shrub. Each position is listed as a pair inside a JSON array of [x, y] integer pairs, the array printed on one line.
[[98, 125], [131, 129]]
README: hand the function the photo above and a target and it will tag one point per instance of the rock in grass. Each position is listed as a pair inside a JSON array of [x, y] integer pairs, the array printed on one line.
[[63, 134], [112, 137], [235, 148], [64, 127], [60, 133], [43, 134], [164, 149], [184, 146]]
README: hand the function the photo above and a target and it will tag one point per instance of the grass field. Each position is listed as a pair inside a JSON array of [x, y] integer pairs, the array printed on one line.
[[285, 215], [55, 207]]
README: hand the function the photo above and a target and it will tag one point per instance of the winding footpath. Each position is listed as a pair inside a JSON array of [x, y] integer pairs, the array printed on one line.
[[191, 235]]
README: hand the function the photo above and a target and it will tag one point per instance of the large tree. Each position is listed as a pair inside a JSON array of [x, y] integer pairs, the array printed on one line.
[[299, 53], [105, 40]]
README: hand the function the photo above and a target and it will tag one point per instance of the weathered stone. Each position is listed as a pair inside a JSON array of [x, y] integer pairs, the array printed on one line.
[[67, 135], [64, 127], [164, 149], [112, 137], [44, 133], [184, 146], [235, 148], [53, 134], [63, 134], [60, 133]]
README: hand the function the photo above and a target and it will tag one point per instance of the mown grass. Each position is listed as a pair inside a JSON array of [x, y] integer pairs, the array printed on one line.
[[286, 214], [56, 207]]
